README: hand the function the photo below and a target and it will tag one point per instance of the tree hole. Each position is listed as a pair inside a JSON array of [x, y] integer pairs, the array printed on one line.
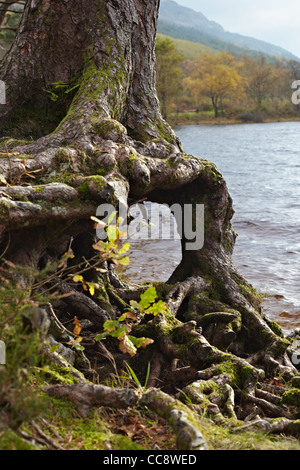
[[155, 244]]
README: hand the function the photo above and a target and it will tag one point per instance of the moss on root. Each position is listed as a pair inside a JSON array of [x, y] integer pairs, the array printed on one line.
[[291, 397]]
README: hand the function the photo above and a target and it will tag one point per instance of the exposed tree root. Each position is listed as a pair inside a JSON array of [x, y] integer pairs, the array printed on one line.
[[226, 387], [180, 417]]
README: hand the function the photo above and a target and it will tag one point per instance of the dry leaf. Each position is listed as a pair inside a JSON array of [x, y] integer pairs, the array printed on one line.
[[126, 346], [77, 328]]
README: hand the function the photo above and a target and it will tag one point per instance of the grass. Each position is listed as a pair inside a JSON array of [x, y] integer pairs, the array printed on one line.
[[131, 429], [105, 429], [190, 50], [220, 438]]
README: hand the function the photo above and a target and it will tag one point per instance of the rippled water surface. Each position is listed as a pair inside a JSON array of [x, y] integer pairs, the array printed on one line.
[[261, 164]]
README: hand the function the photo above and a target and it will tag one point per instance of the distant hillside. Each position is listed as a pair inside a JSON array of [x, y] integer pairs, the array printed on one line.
[[195, 36], [190, 50], [184, 23]]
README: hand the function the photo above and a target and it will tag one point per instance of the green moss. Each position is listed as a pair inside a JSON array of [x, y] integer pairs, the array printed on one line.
[[55, 375], [105, 82], [38, 189], [92, 185], [83, 190], [240, 375], [163, 289], [274, 327], [279, 346], [107, 128], [291, 397], [211, 169], [62, 156], [92, 433], [223, 317], [104, 299], [4, 210], [102, 171], [164, 131], [154, 329], [222, 438], [10, 440]]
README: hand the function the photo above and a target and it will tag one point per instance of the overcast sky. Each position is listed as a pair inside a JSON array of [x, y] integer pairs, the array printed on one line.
[[274, 21]]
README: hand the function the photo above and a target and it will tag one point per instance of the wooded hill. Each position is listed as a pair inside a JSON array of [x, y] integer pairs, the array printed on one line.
[[180, 22], [196, 83], [205, 72]]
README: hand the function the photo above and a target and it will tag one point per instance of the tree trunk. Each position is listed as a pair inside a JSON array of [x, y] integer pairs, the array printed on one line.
[[104, 141], [108, 51]]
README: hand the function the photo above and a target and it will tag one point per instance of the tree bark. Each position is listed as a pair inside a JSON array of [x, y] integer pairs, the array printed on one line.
[[108, 53]]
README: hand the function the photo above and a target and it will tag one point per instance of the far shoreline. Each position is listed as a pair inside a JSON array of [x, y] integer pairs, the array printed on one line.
[[223, 122]]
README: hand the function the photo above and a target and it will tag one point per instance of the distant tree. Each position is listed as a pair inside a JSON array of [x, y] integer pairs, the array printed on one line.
[[294, 68], [169, 74], [280, 90], [215, 77], [260, 77]]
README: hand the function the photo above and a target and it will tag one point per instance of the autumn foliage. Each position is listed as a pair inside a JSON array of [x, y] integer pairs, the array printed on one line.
[[214, 85]]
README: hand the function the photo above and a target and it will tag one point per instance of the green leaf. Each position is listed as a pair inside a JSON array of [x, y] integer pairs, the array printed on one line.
[[101, 336], [134, 304], [78, 347], [158, 307], [119, 332], [124, 261], [140, 342], [91, 288], [147, 375], [148, 297], [110, 325], [130, 315], [3, 180], [100, 246], [127, 347], [111, 217], [133, 375], [112, 232], [123, 317], [77, 278], [124, 248]]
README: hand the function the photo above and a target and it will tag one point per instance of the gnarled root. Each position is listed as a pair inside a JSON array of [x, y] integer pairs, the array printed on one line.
[[85, 396]]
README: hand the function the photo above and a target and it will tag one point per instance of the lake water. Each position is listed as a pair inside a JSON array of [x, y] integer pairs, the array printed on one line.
[[261, 165]]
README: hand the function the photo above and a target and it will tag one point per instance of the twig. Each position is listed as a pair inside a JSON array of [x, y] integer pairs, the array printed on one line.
[[46, 438], [6, 248], [59, 323]]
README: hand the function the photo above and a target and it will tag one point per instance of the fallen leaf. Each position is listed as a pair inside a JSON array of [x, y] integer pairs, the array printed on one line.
[[77, 328]]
